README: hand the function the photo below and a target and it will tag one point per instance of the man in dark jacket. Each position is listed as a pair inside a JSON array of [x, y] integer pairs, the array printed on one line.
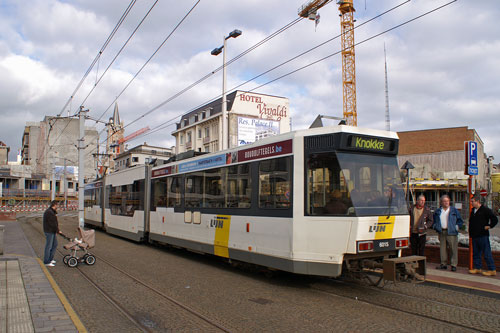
[[421, 219], [482, 219], [50, 228]]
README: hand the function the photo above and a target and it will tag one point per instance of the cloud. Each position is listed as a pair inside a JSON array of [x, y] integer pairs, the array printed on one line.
[[443, 69]]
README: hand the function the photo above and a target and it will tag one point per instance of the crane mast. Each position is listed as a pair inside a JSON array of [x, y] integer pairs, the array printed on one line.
[[346, 9]]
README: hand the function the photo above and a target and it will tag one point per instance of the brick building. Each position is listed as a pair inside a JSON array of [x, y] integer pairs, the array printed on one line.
[[439, 159]]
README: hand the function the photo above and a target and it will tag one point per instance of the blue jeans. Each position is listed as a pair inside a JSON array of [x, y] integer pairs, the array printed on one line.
[[480, 247], [50, 247]]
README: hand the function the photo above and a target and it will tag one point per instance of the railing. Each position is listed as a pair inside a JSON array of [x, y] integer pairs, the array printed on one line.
[[206, 139]]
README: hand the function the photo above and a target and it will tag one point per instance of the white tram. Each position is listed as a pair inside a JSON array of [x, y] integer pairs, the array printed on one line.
[[313, 201]]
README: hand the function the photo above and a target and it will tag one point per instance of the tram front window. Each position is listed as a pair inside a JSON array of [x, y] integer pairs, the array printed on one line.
[[353, 184]]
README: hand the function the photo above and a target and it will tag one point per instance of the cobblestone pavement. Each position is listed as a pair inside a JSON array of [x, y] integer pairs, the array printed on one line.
[[245, 300]]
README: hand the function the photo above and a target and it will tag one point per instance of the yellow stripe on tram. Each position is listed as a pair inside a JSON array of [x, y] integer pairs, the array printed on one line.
[[221, 240], [385, 226]]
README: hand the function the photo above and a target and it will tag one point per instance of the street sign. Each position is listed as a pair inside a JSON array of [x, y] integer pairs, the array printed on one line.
[[472, 154], [473, 171], [483, 192]]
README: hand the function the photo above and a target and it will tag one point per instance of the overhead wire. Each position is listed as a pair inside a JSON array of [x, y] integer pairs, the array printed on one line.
[[266, 39], [275, 67], [96, 59], [118, 53], [157, 128], [151, 57], [103, 47]]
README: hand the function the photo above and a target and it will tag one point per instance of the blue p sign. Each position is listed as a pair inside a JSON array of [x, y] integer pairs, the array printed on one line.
[[472, 154]]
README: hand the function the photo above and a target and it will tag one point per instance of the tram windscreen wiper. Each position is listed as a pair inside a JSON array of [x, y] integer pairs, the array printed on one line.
[[389, 203]]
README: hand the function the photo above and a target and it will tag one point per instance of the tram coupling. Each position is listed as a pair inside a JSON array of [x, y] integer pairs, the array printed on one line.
[[376, 271], [410, 269]]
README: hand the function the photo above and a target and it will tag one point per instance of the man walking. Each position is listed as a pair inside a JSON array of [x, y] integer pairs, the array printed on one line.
[[421, 219], [50, 228], [447, 220], [482, 219]]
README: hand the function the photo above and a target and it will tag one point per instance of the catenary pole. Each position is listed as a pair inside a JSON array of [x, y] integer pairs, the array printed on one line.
[[65, 183], [53, 192], [81, 165]]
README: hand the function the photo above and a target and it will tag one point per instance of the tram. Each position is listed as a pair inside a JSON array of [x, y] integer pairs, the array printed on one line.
[[316, 201]]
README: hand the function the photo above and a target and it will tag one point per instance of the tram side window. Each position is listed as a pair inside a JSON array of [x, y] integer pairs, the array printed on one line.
[[126, 199], [274, 183], [89, 197], [327, 186], [97, 196], [193, 195], [174, 185], [159, 193], [238, 186], [213, 196]]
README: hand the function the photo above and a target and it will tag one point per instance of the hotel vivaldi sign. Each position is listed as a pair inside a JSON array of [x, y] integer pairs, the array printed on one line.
[[266, 111]]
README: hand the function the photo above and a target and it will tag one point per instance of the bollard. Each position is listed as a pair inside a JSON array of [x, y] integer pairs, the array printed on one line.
[[1, 239]]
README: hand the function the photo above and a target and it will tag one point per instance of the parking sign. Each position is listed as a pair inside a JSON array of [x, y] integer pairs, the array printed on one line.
[[472, 153], [472, 158]]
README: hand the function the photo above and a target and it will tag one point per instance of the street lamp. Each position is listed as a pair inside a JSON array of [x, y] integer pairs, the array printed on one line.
[[407, 166], [225, 128]]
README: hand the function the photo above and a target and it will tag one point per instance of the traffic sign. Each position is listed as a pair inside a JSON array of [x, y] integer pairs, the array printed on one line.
[[473, 171], [472, 154], [483, 192]]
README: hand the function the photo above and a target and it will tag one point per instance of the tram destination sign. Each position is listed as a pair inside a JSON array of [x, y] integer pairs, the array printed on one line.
[[370, 143]]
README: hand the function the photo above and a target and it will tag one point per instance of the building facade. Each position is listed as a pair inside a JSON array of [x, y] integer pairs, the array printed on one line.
[[52, 143], [439, 159], [251, 117], [140, 155]]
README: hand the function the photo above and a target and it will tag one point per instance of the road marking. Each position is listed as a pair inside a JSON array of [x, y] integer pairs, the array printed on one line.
[[72, 314]]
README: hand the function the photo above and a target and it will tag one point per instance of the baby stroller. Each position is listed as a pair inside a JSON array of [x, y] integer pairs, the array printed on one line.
[[86, 241]]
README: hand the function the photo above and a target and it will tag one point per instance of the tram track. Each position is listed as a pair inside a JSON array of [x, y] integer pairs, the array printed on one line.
[[368, 298], [120, 308]]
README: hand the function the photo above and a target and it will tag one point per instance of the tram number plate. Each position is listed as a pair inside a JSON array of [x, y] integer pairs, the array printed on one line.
[[384, 244]]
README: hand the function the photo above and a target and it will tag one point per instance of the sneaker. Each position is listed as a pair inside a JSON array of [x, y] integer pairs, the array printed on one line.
[[442, 267], [490, 273], [474, 271], [53, 262], [453, 269], [50, 264]]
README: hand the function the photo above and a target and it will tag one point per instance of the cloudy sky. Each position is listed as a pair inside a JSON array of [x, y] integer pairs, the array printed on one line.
[[443, 69]]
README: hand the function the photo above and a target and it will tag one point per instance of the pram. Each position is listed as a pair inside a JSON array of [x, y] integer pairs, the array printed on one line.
[[86, 241]]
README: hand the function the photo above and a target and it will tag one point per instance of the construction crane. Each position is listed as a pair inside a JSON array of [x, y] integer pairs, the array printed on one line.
[[133, 135], [346, 8]]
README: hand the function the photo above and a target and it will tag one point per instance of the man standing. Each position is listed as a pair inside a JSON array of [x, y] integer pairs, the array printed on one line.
[[447, 220], [421, 219], [50, 228], [482, 219]]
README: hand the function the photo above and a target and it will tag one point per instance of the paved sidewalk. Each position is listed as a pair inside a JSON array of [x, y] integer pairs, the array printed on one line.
[[474, 283], [30, 300]]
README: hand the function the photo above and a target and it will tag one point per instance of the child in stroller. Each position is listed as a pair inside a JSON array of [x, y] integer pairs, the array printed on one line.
[[86, 241]]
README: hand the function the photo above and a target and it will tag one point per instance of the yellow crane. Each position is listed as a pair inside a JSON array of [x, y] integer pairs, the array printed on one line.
[[346, 8]]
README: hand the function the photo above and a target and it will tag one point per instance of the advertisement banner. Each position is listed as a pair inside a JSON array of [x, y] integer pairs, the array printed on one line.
[[252, 129], [270, 150], [203, 163]]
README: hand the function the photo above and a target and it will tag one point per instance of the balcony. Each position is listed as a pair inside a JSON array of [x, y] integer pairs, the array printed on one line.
[[206, 139], [189, 144]]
